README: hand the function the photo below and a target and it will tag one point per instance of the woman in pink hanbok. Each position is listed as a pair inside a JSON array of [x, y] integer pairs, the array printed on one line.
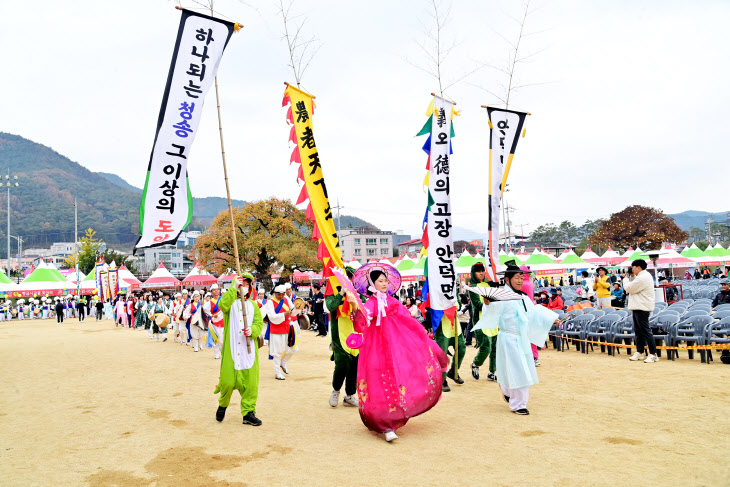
[[399, 369]]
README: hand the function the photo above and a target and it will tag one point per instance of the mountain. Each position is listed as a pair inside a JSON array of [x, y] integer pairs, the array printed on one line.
[[348, 221], [42, 205], [204, 209], [694, 218]]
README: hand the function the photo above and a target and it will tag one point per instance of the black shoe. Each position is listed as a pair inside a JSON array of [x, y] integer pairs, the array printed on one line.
[[458, 380], [725, 359], [251, 419], [522, 412], [474, 371], [220, 414], [492, 376], [445, 387]]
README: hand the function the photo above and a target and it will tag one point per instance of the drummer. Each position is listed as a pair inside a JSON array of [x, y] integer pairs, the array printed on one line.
[[160, 320], [212, 310]]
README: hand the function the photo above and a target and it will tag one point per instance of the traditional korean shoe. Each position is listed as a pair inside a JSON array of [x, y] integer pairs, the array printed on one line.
[[334, 398], [390, 436], [474, 371], [636, 357], [492, 376], [350, 401], [522, 412], [445, 387], [220, 414], [458, 380], [285, 370], [164, 339], [280, 377], [251, 419], [537, 362]]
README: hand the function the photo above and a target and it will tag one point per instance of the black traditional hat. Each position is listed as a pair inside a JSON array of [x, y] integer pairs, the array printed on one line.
[[511, 270]]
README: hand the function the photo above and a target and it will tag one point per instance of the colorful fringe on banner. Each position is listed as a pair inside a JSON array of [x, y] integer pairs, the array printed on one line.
[[440, 290], [305, 154]]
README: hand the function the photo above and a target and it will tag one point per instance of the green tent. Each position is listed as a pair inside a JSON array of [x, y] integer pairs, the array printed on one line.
[[504, 258], [538, 258], [692, 252], [716, 251], [4, 279], [636, 256], [44, 274], [405, 264], [91, 276], [421, 264], [466, 260], [572, 258]]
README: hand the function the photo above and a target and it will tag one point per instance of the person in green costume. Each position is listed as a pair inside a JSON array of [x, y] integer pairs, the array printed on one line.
[[345, 358], [444, 337], [239, 367], [487, 344]]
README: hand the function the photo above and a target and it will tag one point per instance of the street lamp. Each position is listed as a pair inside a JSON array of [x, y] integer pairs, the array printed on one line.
[[10, 182]]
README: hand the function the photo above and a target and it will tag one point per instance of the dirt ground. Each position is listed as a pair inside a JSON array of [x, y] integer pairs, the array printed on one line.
[[91, 404]]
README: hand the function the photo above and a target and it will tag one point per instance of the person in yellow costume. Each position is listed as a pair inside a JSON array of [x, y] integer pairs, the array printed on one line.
[[239, 366]]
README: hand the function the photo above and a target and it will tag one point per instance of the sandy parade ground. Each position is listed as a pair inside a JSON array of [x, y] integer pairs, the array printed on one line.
[[91, 404]]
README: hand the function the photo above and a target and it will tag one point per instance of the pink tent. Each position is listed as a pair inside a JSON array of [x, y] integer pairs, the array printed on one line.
[[199, 278], [161, 278], [128, 277]]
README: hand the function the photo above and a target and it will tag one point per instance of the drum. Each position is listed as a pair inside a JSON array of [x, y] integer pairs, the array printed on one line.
[[162, 320], [14, 312]]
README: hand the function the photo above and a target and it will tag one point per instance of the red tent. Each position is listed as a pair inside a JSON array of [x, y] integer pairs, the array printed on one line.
[[161, 278]]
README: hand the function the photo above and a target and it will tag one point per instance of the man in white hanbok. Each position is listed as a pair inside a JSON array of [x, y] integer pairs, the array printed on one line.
[[520, 323]]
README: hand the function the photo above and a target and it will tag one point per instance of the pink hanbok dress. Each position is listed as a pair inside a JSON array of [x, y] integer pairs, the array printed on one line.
[[399, 369]]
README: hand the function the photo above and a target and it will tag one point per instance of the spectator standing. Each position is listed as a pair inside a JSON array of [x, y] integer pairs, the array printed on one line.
[[602, 288], [586, 285], [640, 287], [318, 309]]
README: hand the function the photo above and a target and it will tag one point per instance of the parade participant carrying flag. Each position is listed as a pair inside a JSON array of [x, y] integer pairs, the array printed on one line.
[[520, 323], [240, 363], [344, 357]]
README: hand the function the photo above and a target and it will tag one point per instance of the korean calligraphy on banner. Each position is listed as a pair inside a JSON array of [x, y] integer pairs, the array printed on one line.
[[505, 127], [441, 271], [166, 207], [113, 281], [98, 272], [306, 154]]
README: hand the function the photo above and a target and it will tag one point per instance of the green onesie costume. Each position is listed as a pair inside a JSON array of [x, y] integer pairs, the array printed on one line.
[[345, 358], [246, 382]]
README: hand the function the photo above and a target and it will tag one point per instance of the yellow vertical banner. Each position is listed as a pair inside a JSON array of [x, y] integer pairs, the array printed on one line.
[[299, 115]]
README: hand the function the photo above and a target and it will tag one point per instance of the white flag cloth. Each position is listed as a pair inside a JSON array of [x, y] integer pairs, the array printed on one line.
[[242, 359]]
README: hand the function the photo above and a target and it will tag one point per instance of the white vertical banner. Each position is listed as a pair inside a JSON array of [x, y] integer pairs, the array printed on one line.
[[441, 270], [505, 127], [166, 207]]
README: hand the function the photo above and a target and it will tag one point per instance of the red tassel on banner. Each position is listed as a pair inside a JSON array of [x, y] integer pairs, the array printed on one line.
[[327, 272], [428, 163], [450, 314], [303, 196], [424, 239], [309, 215], [321, 249], [300, 174], [316, 234], [285, 100], [289, 116], [295, 156], [293, 136]]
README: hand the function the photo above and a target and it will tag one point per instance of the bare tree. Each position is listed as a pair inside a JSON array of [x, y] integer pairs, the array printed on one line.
[[515, 57], [301, 49], [436, 48]]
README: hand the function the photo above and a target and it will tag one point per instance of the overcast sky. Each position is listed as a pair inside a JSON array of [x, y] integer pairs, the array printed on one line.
[[628, 103]]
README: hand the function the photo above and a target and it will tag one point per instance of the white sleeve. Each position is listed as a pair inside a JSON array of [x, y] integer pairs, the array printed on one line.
[[274, 318], [186, 313]]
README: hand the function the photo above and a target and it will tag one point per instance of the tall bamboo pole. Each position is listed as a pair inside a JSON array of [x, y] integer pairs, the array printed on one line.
[[230, 207]]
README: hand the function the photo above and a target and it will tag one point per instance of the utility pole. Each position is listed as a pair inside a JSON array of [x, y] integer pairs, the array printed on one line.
[[510, 209], [9, 185], [76, 245], [338, 208]]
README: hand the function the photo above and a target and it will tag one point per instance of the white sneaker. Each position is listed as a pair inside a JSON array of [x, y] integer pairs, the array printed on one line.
[[334, 398], [280, 377], [350, 401], [636, 356], [651, 359], [390, 436]]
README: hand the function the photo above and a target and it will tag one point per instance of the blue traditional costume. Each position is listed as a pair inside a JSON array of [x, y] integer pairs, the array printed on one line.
[[520, 323]]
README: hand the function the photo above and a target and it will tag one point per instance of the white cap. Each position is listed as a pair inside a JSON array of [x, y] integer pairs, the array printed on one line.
[[185, 291], [214, 286], [261, 291], [280, 288], [287, 285], [196, 292], [208, 294], [178, 295]]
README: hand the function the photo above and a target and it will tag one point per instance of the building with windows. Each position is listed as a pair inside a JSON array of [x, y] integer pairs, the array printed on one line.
[[170, 255], [410, 246], [365, 243], [187, 239]]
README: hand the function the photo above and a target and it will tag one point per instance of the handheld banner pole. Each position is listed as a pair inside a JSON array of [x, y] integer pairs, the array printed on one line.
[[230, 207]]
